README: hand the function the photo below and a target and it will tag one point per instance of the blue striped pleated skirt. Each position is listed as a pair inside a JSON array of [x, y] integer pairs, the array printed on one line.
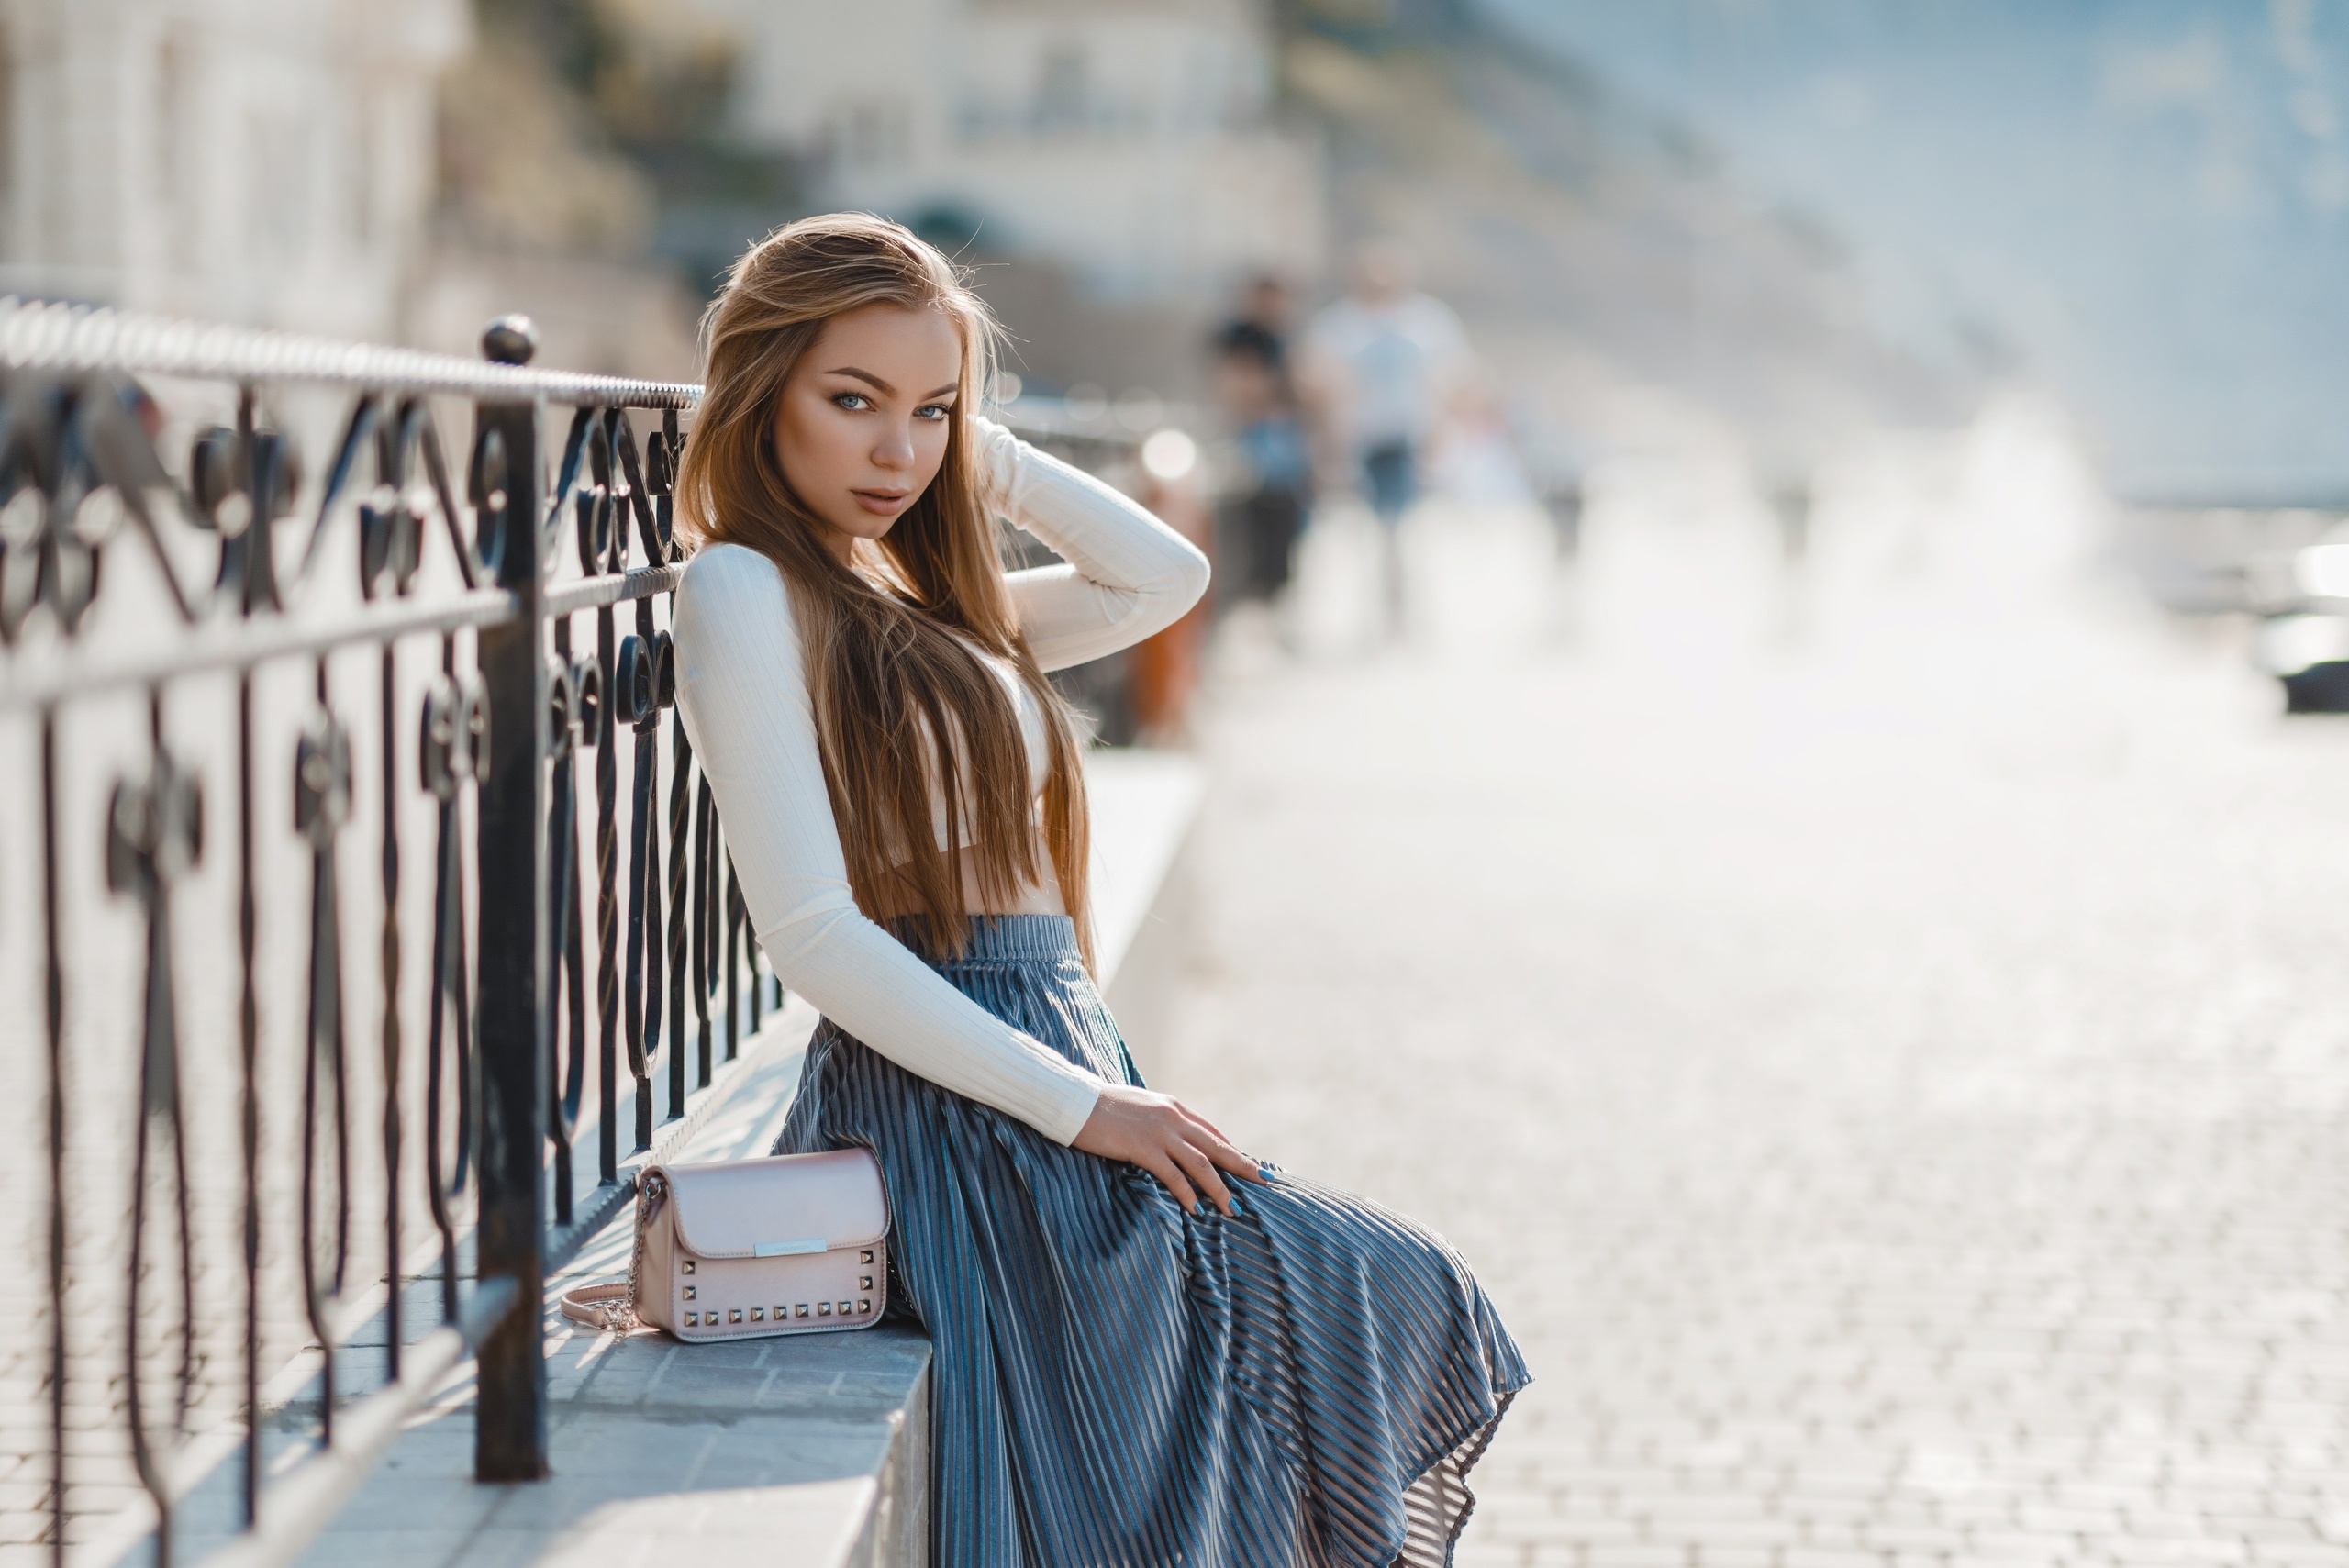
[[1117, 1383]]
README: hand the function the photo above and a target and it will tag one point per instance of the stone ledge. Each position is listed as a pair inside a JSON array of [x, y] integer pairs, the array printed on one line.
[[716, 1452]]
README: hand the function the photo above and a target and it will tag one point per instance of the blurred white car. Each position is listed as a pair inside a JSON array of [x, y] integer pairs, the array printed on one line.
[[2304, 640]]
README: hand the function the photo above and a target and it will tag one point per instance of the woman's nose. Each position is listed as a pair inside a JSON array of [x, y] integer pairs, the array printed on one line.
[[895, 450]]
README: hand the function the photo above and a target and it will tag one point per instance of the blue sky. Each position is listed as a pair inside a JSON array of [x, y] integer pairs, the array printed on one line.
[[2147, 201]]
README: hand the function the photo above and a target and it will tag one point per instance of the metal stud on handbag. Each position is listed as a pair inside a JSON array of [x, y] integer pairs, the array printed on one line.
[[744, 1248]]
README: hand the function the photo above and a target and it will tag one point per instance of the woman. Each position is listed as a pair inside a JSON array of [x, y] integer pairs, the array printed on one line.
[[1122, 1375]]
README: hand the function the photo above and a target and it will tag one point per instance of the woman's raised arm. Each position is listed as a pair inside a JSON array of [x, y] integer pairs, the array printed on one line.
[[1127, 575]]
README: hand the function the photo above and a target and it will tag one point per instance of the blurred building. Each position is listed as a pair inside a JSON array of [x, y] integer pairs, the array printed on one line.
[[267, 161], [1133, 141], [404, 169]]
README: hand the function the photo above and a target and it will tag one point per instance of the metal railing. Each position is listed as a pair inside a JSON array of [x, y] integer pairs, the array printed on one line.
[[487, 742]]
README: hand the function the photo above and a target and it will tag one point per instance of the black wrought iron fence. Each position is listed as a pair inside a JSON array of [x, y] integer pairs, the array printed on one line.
[[513, 609]]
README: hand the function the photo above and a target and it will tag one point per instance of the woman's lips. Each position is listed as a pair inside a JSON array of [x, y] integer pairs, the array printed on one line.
[[883, 503]]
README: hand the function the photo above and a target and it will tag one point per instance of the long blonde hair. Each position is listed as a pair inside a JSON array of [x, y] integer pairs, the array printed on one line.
[[900, 696]]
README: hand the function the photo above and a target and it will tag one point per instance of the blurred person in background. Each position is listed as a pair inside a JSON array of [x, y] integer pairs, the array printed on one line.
[[1387, 357], [1557, 461], [1261, 521], [1261, 325], [1478, 463]]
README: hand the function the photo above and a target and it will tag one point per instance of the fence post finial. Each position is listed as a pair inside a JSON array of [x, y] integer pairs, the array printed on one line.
[[510, 339]]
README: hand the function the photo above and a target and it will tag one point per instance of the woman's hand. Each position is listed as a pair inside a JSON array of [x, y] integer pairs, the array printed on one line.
[[1175, 1144]]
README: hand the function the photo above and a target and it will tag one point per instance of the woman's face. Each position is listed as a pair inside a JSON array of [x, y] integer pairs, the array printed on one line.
[[860, 427]]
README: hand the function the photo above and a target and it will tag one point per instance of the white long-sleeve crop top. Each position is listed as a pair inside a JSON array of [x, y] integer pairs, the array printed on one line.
[[742, 691]]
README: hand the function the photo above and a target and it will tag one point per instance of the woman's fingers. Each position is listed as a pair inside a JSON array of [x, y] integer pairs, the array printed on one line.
[[1240, 1162], [1228, 1156], [1202, 1172], [1170, 1177], [1219, 1149], [1177, 1146]]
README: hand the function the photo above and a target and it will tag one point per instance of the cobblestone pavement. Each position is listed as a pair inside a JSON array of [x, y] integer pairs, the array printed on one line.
[[1892, 1084]]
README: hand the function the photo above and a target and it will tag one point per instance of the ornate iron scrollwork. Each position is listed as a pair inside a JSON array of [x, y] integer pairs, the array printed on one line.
[[452, 751], [79, 471], [646, 683], [234, 477], [154, 837], [574, 695], [321, 807]]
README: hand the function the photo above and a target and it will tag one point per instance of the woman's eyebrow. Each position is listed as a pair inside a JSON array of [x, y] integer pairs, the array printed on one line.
[[884, 388]]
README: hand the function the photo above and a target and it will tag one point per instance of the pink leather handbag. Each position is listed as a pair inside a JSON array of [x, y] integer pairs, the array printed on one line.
[[741, 1249]]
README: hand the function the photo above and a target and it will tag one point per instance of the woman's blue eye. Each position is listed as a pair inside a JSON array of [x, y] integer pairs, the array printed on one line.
[[852, 401], [932, 411]]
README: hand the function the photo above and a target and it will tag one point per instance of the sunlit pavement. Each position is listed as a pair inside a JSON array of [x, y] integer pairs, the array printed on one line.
[[1885, 1056]]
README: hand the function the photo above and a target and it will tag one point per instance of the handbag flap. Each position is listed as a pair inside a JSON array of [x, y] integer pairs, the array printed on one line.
[[778, 1207]]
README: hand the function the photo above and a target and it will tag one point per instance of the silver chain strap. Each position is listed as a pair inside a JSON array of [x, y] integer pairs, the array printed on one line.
[[620, 1317]]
